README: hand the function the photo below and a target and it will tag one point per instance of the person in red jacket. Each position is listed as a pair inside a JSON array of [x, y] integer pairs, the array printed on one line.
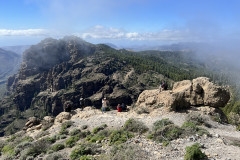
[[119, 108]]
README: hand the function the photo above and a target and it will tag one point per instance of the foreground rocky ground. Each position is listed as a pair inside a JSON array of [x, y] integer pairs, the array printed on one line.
[[220, 144]]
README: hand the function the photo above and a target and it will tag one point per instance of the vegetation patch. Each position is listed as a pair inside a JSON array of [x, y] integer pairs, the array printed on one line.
[[54, 156], [57, 147], [164, 131], [119, 136], [193, 152], [136, 126], [125, 151], [70, 142], [104, 134], [8, 150], [75, 132], [97, 129], [37, 148], [84, 152], [191, 128]]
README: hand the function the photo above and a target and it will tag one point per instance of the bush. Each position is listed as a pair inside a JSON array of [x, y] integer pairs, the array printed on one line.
[[99, 136], [51, 139], [119, 136], [125, 152], [70, 142], [9, 150], [198, 119], [161, 123], [37, 148], [64, 127], [2, 144], [82, 151], [12, 138], [163, 132], [133, 125], [54, 156], [193, 152], [27, 139], [75, 132], [57, 147], [20, 147], [191, 128], [97, 129]]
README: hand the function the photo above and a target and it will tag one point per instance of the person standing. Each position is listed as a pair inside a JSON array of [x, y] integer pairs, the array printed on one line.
[[81, 101], [104, 105]]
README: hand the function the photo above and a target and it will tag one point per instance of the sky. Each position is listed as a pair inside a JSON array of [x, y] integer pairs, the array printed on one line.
[[124, 22]]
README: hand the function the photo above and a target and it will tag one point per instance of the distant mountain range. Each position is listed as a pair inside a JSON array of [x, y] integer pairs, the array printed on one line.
[[9, 64], [16, 49]]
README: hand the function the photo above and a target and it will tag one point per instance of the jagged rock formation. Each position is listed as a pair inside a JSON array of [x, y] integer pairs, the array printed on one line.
[[54, 72], [198, 92]]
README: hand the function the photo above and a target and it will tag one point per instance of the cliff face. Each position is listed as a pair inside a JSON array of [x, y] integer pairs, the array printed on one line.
[[56, 72]]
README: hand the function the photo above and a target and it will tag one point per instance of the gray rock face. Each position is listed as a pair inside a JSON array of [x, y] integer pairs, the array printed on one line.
[[198, 92], [56, 71]]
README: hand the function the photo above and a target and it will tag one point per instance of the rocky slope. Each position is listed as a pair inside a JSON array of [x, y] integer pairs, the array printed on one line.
[[218, 141], [56, 72]]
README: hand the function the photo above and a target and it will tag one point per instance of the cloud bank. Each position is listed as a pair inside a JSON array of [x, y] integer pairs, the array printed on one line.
[[24, 32]]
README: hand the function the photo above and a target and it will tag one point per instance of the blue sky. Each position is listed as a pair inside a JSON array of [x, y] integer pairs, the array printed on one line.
[[120, 22]]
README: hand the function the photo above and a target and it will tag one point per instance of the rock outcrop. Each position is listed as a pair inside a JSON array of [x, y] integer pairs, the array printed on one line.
[[198, 92]]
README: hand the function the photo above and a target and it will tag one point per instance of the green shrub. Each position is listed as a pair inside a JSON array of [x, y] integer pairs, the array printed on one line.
[[8, 150], [125, 152], [166, 133], [133, 125], [27, 139], [196, 118], [64, 127], [119, 136], [57, 147], [70, 142], [37, 148], [161, 123], [23, 145], [191, 128], [97, 129], [84, 134], [54, 156], [12, 138], [2, 144], [99, 136], [81, 151], [75, 132], [193, 153], [51, 139]]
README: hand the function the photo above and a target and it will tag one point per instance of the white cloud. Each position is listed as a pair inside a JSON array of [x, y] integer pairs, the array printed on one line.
[[101, 32], [24, 32]]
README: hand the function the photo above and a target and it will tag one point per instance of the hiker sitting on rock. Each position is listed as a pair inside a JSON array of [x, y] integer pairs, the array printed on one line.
[[119, 108], [68, 108], [124, 107]]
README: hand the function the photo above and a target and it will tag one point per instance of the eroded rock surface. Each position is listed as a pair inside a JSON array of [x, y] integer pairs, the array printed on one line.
[[198, 92]]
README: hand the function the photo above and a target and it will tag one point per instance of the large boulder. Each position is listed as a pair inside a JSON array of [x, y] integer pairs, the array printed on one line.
[[198, 92], [63, 116]]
